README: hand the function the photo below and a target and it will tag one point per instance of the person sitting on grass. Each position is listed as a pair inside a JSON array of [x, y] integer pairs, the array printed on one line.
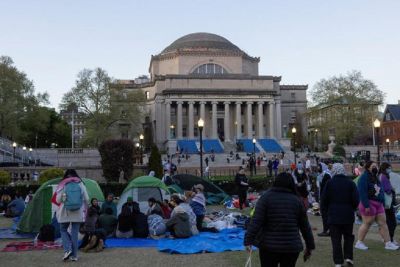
[[156, 225], [154, 207], [109, 203], [178, 201], [179, 224], [125, 223], [16, 207], [140, 227], [108, 222], [166, 210]]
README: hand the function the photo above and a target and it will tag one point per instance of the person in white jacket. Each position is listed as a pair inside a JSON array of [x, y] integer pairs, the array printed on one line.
[[70, 217]]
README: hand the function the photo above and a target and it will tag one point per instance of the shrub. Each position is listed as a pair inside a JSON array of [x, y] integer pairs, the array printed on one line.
[[116, 156], [5, 178], [155, 162], [49, 174]]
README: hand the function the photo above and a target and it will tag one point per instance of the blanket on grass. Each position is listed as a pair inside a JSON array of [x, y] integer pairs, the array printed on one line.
[[130, 243], [225, 240], [30, 245], [9, 233]]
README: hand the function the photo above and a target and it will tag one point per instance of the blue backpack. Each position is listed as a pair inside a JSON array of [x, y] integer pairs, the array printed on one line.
[[73, 193]]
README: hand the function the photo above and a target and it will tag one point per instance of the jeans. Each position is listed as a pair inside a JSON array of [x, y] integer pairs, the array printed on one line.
[[274, 259], [337, 231], [70, 241]]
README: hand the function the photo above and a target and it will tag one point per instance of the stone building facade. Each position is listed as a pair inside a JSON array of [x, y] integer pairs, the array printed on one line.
[[203, 75]]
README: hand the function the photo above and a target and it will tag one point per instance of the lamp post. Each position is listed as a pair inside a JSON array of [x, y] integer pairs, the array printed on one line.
[[141, 138], [14, 146], [316, 140], [387, 146], [294, 142], [30, 155], [172, 131], [254, 147], [200, 124], [377, 125], [23, 154]]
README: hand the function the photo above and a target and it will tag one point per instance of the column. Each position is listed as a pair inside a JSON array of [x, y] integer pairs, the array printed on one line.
[[260, 120], [278, 119], [227, 122], [179, 120], [203, 116], [271, 119], [214, 120], [191, 120], [249, 120], [238, 120], [168, 119]]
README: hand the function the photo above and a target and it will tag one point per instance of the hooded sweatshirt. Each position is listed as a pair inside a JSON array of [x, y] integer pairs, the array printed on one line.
[[180, 225], [109, 204]]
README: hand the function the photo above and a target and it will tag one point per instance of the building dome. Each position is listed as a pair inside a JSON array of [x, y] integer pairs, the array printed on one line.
[[201, 40]]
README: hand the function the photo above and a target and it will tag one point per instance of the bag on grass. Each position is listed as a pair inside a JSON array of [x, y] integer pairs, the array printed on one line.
[[46, 233], [74, 196]]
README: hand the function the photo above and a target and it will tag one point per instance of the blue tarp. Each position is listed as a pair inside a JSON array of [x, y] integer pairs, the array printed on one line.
[[131, 243], [226, 240], [9, 233]]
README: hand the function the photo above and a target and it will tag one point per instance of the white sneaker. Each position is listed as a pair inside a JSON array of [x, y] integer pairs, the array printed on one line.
[[338, 265], [67, 255], [396, 243], [360, 245], [391, 246], [349, 262], [73, 258]]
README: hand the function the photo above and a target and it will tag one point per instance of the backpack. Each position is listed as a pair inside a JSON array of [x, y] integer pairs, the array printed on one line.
[[46, 233], [73, 193]]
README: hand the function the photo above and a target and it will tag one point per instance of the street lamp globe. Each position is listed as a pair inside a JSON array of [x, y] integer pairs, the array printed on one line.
[[141, 137], [200, 123], [294, 130], [14, 144], [30, 149], [137, 145], [24, 148], [377, 123], [254, 141], [387, 140]]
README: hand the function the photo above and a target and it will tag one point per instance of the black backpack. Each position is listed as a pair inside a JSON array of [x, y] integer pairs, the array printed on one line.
[[46, 233]]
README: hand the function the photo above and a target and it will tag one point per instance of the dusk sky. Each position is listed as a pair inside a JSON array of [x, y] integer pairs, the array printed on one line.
[[302, 41]]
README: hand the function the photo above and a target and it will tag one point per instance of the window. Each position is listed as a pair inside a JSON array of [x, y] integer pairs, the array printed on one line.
[[293, 96], [387, 116], [147, 93], [210, 68]]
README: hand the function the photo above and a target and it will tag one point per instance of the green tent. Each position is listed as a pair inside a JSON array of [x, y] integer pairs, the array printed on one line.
[[40, 209], [141, 189]]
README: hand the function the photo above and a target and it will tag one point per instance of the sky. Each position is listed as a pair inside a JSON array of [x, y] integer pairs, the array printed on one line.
[[303, 41]]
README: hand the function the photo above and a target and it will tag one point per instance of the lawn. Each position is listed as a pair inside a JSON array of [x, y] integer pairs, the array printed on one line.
[[322, 256]]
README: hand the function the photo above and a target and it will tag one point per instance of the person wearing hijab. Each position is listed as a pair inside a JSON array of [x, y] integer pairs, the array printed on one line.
[[340, 211], [275, 228]]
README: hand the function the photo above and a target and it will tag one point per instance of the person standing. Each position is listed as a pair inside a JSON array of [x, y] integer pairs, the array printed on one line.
[[390, 199], [371, 207], [340, 211], [275, 165], [72, 200], [242, 184], [326, 177], [278, 218], [269, 165]]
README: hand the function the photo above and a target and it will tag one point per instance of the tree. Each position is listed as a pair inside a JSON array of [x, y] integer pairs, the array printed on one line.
[[116, 156], [17, 98], [348, 104], [93, 96], [155, 161]]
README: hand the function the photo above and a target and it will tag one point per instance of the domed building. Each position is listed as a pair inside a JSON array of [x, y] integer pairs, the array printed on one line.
[[204, 75]]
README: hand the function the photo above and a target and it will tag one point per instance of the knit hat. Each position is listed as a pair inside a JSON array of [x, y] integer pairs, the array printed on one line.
[[338, 169]]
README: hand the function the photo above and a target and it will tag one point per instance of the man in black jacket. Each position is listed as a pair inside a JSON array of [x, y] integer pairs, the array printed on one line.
[[242, 184], [341, 207], [274, 229]]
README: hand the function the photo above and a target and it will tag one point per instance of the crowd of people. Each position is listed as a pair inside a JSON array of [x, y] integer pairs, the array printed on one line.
[[179, 217], [280, 213]]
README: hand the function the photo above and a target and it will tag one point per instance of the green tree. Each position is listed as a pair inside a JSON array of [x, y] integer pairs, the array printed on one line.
[[17, 98], [155, 162], [348, 103], [104, 107], [49, 174]]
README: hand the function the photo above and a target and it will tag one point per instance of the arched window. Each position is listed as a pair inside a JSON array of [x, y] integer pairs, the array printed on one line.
[[210, 68]]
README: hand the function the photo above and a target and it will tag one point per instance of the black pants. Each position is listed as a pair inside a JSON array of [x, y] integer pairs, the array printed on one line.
[[339, 253], [274, 259], [324, 215], [242, 197], [391, 222], [199, 222]]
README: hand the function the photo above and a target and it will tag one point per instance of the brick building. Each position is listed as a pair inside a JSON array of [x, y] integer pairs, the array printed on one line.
[[390, 128]]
